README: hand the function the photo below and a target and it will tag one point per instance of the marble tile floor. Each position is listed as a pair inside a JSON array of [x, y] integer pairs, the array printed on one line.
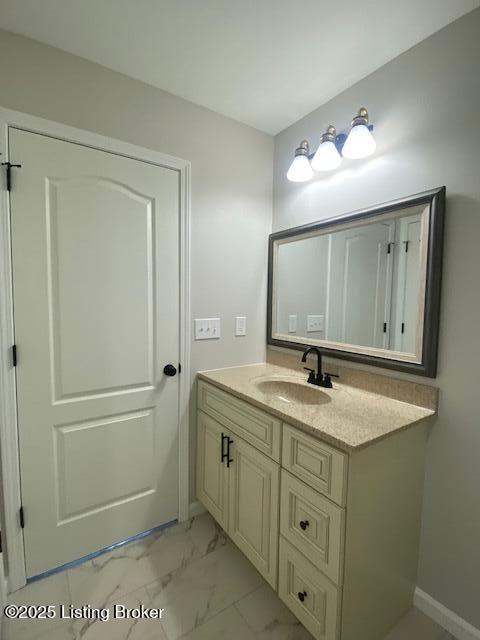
[[207, 588]]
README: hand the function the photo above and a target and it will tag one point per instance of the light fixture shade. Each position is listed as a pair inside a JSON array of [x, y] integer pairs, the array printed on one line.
[[327, 157], [300, 170], [360, 143]]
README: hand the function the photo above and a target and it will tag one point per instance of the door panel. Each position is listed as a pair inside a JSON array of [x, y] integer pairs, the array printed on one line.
[[83, 217], [212, 473], [253, 507], [96, 299]]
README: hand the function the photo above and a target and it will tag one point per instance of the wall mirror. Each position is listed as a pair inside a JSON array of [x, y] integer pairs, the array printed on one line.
[[364, 286]]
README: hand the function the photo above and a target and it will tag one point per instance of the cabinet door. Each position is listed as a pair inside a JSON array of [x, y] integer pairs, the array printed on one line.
[[253, 507], [212, 473]]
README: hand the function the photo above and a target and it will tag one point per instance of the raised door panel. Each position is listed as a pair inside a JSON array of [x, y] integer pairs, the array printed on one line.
[[212, 476], [310, 595], [253, 509], [314, 525], [103, 231]]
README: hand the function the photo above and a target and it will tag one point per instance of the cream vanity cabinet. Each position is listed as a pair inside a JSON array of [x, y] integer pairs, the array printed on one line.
[[334, 532], [238, 478]]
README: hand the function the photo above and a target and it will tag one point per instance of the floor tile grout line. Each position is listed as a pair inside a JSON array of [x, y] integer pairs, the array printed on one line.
[[229, 606]]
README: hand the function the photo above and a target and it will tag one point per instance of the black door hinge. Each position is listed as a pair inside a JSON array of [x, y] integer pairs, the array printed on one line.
[[21, 516], [389, 247], [179, 368], [9, 166], [14, 355], [403, 327], [0, 542], [384, 327]]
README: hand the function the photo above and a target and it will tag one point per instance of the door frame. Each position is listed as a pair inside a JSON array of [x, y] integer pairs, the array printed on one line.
[[10, 467]]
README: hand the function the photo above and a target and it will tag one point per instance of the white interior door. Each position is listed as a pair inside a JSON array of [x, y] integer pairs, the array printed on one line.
[[95, 248], [360, 285]]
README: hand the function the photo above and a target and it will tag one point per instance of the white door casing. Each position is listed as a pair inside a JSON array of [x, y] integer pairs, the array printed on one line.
[[101, 387], [408, 288]]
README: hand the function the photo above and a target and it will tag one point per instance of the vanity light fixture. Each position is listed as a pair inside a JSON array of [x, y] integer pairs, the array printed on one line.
[[327, 157], [301, 169], [358, 144]]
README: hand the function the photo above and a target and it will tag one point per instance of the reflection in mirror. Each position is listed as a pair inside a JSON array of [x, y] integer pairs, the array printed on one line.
[[356, 286], [361, 285]]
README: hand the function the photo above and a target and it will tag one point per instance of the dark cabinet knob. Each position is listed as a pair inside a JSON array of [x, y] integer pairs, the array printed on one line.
[[302, 595], [170, 370], [304, 524]]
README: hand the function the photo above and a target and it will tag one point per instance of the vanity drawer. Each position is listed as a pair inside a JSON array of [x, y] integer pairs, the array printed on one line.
[[316, 463], [313, 524], [310, 595], [255, 426]]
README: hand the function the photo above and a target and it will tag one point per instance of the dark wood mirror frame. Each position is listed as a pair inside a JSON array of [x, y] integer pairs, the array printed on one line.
[[435, 200]]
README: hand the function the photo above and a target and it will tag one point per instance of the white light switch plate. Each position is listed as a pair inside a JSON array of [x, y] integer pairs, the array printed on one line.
[[207, 328], [240, 326], [315, 323], [292, 324]]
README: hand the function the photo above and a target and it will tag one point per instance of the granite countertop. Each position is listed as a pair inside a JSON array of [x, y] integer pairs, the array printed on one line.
[[348, 417]]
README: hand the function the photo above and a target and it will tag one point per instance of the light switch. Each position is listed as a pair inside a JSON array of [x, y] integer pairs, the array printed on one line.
[[207, 328], [240, 326], [292, 324], [315, 323]]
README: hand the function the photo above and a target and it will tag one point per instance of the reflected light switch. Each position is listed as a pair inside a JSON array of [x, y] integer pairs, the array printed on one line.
[[315, 323], [292, 324]]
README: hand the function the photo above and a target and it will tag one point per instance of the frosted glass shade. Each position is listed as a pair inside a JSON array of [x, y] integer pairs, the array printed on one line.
[[300, 169], [359, 144], [327, 157]]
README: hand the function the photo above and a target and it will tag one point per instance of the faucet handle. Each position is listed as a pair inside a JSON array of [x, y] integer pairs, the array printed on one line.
[[311, 374], [327, 380]]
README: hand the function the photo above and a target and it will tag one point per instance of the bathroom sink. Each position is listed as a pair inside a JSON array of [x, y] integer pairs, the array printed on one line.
[[291, 391]]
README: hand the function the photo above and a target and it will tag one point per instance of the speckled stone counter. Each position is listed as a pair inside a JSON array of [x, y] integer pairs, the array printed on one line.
[[346, 416]]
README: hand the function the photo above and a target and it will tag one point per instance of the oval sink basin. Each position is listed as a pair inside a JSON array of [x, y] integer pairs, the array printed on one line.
[[292, 392]]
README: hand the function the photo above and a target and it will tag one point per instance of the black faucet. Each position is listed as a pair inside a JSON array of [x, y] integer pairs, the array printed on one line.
[[317, 377]]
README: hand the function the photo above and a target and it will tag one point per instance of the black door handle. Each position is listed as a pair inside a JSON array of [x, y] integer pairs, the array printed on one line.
[[304, 524], [302, 595], [223, 455], [170, 370], [229, 442]]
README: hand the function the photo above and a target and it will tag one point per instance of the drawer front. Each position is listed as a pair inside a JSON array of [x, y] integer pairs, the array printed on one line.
[[312, 598], [314, 525], [258, 428], [316, 463]]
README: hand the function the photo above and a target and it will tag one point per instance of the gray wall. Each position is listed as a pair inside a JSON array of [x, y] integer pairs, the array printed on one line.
[[231, 178], [425, 106], [302, 273]]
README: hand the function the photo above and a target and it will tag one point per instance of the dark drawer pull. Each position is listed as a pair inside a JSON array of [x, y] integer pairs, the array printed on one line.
[[304, 524], [229, 459], [223, 454], [302, 595]]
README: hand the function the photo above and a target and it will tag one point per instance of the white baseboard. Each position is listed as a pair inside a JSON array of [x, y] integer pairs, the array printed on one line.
[[458, 627], [196, 509]]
